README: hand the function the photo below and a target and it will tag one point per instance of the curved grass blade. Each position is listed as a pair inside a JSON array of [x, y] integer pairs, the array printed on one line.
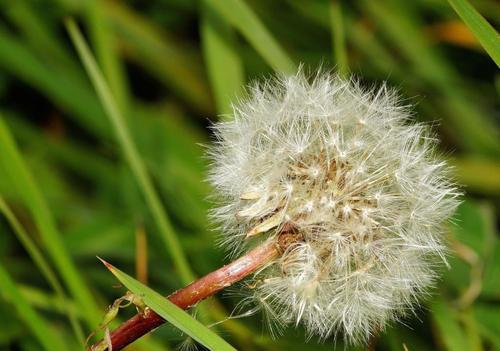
[[482, 30], [171, 313]]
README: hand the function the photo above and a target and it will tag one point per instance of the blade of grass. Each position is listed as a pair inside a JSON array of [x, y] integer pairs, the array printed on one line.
[[491, 7], [38, 326], [242, 17], [43, 266], [13, 166], [104, 43], [338, 41], [131, 154], [482, 30], [171, 313], [223, 63]]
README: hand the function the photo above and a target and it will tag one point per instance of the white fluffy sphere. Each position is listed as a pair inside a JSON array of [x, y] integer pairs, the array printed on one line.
[[361, 186]]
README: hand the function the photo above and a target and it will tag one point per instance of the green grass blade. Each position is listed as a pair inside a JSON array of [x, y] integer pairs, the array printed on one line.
[[482, 30], [223, 63], [338, 38], [104, 43], [131, 154], [171, 313], [43, 266], [242, 17], [38, 326], [13, 166]]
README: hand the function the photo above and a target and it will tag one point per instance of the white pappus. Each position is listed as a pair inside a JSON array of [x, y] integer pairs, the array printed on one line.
[[346, 170]]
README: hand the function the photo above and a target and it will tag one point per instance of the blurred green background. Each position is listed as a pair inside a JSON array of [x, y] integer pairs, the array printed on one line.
[[71, 190]]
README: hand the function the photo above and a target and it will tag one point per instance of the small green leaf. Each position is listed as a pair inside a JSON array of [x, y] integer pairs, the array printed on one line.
[[171, 312], [482, 30]]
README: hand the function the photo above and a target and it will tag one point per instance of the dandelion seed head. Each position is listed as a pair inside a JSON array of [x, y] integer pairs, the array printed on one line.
[[362, 186]]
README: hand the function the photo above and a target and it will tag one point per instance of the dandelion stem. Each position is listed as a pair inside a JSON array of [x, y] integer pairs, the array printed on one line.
[[197, 291]]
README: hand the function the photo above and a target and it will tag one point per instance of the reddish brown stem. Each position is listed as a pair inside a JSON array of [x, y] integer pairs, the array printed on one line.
[[190, 295]]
